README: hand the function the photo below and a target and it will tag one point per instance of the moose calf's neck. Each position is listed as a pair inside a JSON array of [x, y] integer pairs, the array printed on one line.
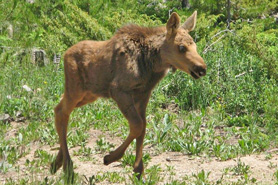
[[138, 57]]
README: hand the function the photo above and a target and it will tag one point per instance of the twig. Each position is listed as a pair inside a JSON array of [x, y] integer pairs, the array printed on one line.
[[226, 30], [241, 74], [218, 71], [207, 48], [169, 159], [8, 47]]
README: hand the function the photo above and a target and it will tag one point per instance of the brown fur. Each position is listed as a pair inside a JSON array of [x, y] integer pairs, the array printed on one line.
[[125, 68]]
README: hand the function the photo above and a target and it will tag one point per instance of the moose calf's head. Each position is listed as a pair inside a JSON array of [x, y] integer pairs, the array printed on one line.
[[179, 50]]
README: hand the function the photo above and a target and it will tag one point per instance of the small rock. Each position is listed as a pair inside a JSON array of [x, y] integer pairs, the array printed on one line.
[[18, 114], [30, 1], [20, 119], [26, 88], [5, 118]]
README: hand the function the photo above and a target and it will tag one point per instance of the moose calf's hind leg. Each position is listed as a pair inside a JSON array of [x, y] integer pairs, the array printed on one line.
[[62, 112]]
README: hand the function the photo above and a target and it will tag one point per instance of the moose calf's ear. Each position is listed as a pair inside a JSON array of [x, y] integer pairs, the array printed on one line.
[[190, 23], [173, 25]]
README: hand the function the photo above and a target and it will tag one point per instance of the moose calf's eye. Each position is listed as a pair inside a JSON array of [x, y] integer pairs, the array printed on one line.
[[182, 49]]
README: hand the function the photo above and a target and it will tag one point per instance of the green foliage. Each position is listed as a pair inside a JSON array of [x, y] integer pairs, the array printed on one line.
[[201, 178], [240, 168], [103, 146], [275, 175], [71, 25], [239, 8], [232, 111]]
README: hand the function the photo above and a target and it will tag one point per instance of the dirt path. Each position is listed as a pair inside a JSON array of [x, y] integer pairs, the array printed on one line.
[[174, 165]]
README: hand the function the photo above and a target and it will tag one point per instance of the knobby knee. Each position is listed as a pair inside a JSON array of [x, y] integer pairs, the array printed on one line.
[[61, 110], [136, 128], [58, 109]]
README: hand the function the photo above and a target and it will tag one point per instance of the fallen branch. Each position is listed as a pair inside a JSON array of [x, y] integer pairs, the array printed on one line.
[[218, 33], [208, 47], [241, 74]]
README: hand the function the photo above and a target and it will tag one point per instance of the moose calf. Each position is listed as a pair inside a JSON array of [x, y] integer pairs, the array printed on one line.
[[125, 68]]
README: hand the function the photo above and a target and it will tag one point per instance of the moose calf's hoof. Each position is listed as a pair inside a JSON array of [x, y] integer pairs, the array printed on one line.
[[69, 178], [53, 168], [68, 172], [106, 160]]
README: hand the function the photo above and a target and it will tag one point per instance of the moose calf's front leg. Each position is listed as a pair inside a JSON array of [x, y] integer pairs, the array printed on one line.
[[141, 101], [136, 127], [126, 104], [138, 165]]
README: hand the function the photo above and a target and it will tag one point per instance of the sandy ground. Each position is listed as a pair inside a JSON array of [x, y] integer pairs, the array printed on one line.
[[182, 165]]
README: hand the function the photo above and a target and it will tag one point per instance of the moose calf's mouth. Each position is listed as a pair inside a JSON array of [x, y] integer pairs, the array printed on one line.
[[194, 75], [198, 71]]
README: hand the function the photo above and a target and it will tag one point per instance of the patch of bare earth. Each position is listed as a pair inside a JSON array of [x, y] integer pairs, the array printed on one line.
[[14, 130], [181, 165], [184, 165]]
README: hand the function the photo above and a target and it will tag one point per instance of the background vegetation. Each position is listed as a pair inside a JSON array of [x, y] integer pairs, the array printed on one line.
[[238, 95]]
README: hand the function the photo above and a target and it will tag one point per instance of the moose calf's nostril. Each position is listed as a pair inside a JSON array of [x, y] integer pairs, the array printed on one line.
[[200, 70]]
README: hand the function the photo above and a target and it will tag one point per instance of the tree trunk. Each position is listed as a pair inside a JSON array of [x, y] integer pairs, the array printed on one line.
[[185, 4], [218, 5], [228, 13]]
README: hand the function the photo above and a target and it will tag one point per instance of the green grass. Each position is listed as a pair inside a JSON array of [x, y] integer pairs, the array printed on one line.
[[231, 112]]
